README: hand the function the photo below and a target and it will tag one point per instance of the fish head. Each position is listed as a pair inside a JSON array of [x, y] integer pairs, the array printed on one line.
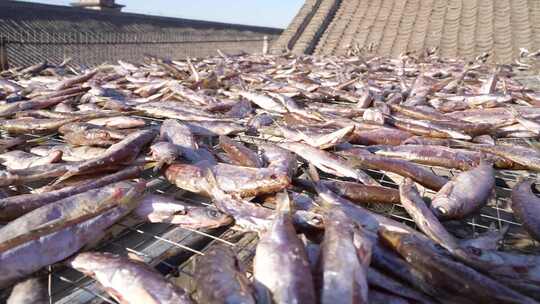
[[308, 221], [55, 156], [391, 238], [442, 207], [183, 171], [201, 217], [129, 193], [164, 151]]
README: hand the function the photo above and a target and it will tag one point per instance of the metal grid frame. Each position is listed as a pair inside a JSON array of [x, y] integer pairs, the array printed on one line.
[[153, 243], [92, 49], [172, 249], [496, 214]]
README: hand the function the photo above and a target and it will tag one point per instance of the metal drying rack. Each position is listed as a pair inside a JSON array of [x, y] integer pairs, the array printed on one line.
[[172, 250]]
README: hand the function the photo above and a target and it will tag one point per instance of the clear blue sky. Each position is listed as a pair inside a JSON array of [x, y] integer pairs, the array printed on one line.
[[274, 13]]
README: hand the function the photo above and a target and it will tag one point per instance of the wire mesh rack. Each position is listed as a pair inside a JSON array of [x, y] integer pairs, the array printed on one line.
[[166, 247], [172, 249], [91, 49]]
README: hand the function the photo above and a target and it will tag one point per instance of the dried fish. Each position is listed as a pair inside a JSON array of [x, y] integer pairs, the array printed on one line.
[[459, 282], [54, 232], [280, 268], [424, 218], [14, 206], [14, 160], [164, 153], [464, 194], [366, 160], [124, 151], [180, 135], [378, 136], [391, 285], [345, 256], [327, 162], [128, 281], [239, 154], [525, 205], [118, 122], [9, 143], [267, 111], [76, 80], [359, 193], [245, 214], [434, 155], [264, 102], [22, 176], [69, 153], [34, 125], [316, 138], [156, 208], [46, 101], [227, 285], [30, 291], [243, 181]]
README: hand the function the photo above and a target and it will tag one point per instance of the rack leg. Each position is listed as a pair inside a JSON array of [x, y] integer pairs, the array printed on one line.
[[3, 54]]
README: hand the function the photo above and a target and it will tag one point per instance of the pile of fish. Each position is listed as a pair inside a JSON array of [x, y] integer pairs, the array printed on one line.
[[287, 147]]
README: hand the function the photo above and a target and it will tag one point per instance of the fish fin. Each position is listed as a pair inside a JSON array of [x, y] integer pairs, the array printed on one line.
[[504, 229], [151, 165], [515, 114], [363, 245], [210, 184], [283, 202], [313, 174], [281, 128], [135, 257], [62, 178], [484, 160], [158, 166], [42, 139], [407, 182], [262, 293], [492, 227], [333, 138]]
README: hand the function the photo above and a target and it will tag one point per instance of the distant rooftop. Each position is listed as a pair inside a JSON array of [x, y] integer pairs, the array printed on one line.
[[463, 28], [35, 32], [21, 16]]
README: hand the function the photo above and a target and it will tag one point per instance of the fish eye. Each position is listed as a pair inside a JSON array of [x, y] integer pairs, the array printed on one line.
[[181, 212], [213, 213], [442, 210]]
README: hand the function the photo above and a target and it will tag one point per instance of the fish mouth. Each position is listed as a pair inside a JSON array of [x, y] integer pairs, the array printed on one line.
[[440, 212]]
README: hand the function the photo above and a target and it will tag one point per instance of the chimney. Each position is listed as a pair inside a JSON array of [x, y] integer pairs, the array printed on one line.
[[100, 5]]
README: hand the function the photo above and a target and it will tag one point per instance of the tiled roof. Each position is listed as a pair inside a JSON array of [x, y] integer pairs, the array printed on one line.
[[463, 28]]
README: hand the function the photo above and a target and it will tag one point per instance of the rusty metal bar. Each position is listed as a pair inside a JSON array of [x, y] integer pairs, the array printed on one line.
[[3, 54]]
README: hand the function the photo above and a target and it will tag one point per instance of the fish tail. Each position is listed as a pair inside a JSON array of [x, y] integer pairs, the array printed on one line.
[[151, 165], [313, 174], [484, 159], [515, 114], [210, 185], [62, 178]]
